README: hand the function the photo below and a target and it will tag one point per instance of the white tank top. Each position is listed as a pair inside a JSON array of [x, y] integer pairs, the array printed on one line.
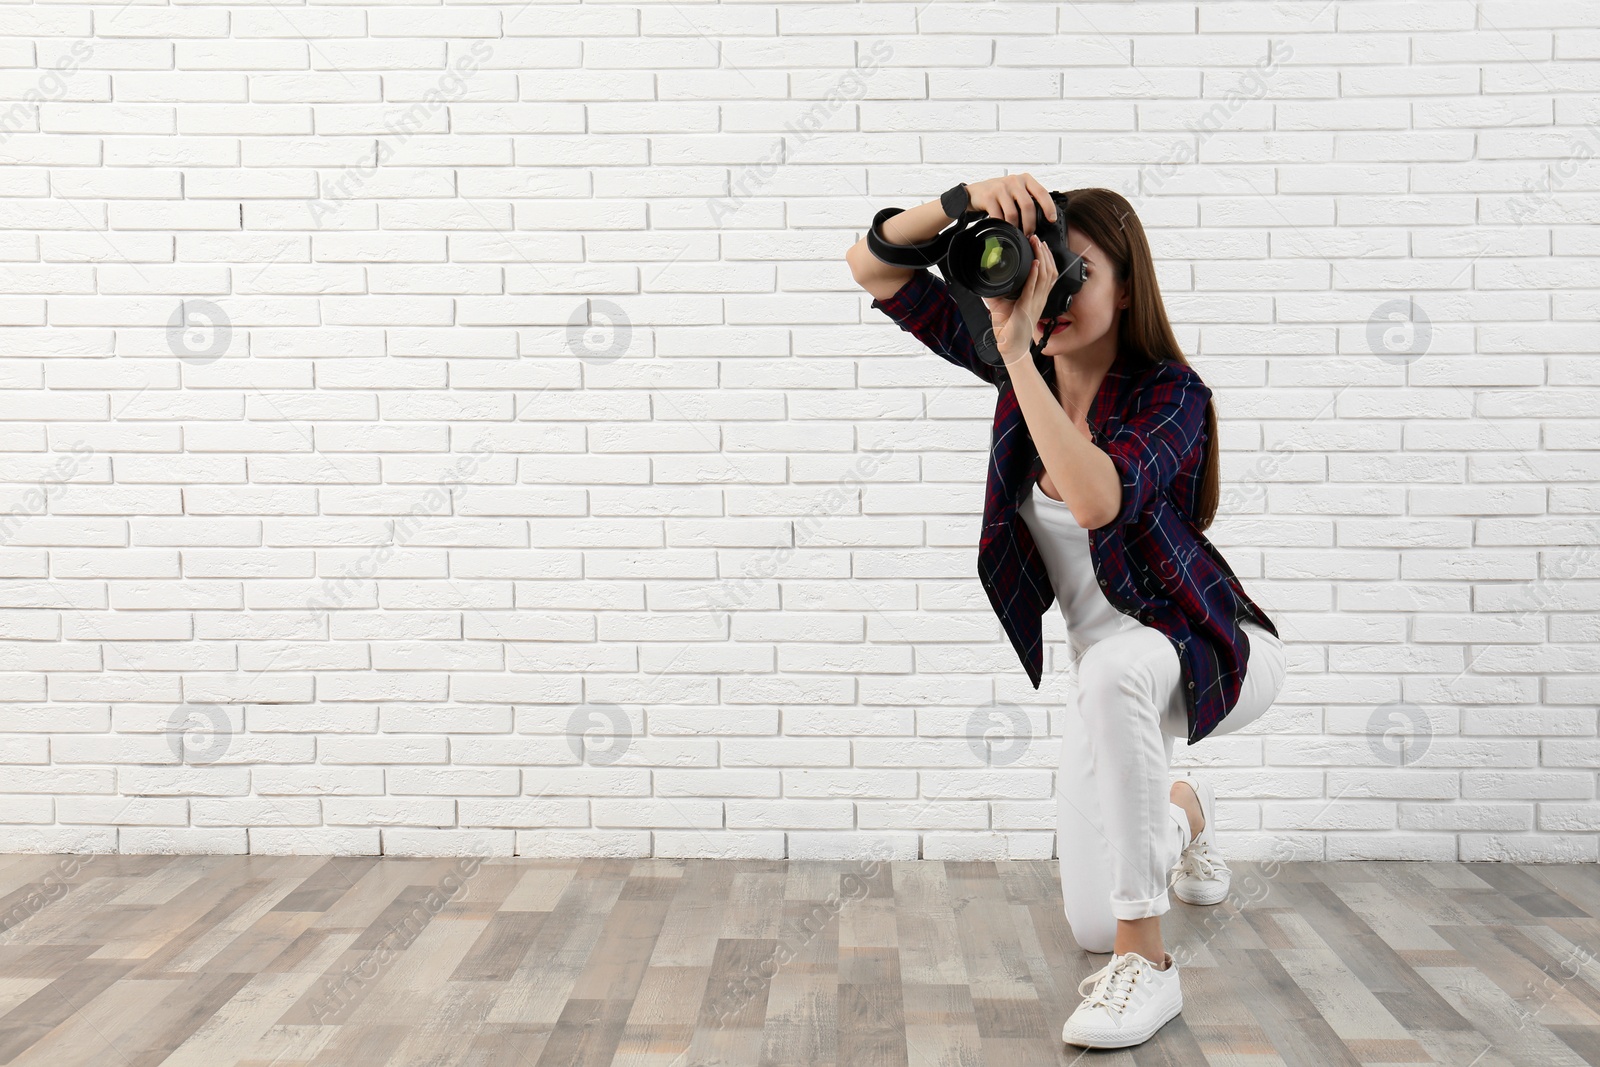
[[1065, 548]]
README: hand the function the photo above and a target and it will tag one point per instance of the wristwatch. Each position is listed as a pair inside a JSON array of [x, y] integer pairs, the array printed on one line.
[[956, 201]]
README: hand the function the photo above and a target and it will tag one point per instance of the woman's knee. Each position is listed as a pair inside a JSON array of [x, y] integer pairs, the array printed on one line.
[[1269, 655], [1263, 681], [1098, 934]]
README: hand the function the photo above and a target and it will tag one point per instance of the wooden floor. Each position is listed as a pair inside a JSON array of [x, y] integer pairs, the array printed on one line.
[[125, 961]]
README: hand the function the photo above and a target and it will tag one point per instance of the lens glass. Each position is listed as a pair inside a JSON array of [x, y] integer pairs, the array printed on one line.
[[997, 266]]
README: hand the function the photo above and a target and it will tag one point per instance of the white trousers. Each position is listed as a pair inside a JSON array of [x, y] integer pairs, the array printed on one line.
[[1118, 832]]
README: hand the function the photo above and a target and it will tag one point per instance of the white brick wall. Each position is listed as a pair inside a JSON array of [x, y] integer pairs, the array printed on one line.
[[394, 394]]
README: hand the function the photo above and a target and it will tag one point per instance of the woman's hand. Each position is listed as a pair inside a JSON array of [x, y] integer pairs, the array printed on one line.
[[1013, 320], [1012, 197]]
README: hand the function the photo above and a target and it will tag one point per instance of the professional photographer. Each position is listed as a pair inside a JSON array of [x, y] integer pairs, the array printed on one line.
[[1102, 479]]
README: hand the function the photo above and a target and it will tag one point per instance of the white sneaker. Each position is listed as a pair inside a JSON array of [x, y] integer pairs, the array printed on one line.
[[1201, 875], [1130, 1001]]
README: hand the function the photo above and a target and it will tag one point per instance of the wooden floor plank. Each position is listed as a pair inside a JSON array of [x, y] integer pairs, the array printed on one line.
[[297, 961]]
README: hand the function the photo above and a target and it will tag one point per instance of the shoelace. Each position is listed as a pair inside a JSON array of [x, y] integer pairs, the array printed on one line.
[[1113, 984], [1198, 861]]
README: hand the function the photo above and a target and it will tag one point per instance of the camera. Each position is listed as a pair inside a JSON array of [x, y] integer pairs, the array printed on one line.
[[979, 256]]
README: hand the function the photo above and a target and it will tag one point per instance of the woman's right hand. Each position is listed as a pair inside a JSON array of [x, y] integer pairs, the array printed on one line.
[[1017, 198]]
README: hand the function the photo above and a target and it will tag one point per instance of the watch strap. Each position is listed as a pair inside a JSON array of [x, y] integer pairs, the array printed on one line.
[[956, 200]]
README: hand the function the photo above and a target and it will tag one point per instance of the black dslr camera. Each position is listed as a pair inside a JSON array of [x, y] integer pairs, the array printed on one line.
[[981, 256]]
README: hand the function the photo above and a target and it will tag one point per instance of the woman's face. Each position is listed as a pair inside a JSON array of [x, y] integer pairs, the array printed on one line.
[[1095, 310]]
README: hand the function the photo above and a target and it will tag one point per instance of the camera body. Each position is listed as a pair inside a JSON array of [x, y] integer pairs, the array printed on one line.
[[981, 256]]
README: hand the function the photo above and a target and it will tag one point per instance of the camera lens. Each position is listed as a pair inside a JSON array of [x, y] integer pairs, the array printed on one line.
[[997, 265], [991, 258]]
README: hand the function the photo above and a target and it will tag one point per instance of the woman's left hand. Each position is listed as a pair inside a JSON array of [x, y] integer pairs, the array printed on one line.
[[1014, 319]]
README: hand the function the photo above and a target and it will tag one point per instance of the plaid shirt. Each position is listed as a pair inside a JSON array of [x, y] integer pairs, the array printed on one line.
[[1152, 560]]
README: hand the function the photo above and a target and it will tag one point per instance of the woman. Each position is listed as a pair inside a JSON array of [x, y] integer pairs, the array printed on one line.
[[1102, 478]]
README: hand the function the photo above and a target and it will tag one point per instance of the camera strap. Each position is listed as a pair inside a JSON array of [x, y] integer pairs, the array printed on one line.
[[931, 254]]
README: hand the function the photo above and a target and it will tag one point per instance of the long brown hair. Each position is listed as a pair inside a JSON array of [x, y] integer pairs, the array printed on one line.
[[1106, 219]]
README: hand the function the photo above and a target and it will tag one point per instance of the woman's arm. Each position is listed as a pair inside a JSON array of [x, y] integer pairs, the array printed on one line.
[[1089, 481], [882, 280]]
